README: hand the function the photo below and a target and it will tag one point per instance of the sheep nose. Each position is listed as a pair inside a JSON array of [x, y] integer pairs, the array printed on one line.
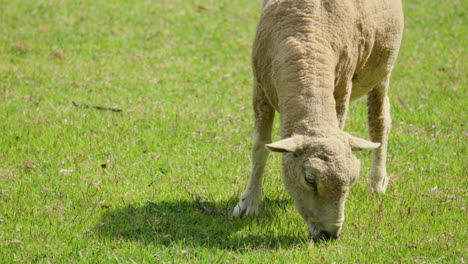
[[324, 236]]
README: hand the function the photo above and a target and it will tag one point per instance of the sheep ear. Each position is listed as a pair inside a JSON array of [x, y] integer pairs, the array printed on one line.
[[291, 144], [361, 144]]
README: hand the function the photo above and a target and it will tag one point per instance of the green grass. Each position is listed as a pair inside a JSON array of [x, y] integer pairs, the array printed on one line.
[[88, 186]]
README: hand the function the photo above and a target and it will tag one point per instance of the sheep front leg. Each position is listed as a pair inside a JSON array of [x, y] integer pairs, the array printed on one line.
[[342, 105], [379, 119], [264, 115]]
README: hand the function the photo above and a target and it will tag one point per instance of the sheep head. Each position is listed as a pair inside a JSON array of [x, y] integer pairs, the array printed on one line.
[[318, 171]]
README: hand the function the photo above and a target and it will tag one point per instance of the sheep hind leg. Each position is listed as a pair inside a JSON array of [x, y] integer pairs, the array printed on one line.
[[264, 115], [378, 108]]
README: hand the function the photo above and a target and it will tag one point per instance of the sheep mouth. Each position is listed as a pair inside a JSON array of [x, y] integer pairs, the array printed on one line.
[[318, 233]]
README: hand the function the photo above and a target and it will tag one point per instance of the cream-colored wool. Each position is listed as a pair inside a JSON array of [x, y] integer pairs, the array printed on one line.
[[310, 59]]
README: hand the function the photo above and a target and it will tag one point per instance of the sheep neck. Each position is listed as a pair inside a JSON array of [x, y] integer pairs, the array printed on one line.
[[312, 111]]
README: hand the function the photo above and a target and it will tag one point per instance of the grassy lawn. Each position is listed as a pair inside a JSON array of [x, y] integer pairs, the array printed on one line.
[[80, 185]]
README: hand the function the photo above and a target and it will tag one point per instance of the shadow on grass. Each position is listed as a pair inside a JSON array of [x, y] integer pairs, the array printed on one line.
[[169, 223]]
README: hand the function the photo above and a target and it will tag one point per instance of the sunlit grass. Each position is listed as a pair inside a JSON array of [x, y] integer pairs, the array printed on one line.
[[90, 186]]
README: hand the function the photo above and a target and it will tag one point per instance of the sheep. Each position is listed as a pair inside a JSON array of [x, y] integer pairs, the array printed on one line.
[[310, 59]]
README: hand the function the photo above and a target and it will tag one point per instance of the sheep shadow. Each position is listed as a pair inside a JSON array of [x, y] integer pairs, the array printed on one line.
[[169, 223]]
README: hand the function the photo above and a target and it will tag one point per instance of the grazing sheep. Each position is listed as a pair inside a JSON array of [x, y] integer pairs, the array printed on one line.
[[310, 58]]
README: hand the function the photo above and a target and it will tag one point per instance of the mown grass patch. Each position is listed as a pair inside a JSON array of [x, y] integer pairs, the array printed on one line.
[[88, 186]]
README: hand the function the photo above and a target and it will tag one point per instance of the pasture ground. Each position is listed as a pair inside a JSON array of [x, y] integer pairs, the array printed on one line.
[[81, 185]]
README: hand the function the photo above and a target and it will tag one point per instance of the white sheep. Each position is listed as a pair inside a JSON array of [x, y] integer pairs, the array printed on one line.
[[310, 58]]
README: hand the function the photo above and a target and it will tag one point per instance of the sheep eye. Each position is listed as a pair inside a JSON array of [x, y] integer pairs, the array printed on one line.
[[311, 177], [310, 181]]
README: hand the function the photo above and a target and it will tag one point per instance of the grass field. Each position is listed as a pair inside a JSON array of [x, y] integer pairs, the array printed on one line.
[[80, 185]]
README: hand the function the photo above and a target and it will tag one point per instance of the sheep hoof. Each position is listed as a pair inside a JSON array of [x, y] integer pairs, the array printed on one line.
[[247, 206], [379, 186]]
